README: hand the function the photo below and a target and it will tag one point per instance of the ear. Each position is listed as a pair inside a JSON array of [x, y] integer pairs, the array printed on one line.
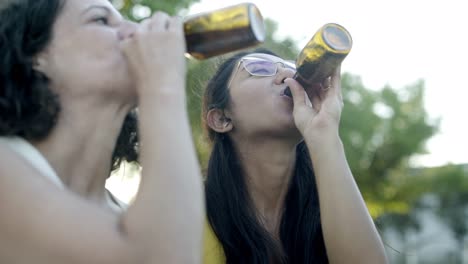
[[217, 121]]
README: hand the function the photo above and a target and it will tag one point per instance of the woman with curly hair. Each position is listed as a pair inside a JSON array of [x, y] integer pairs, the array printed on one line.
[[71, 71]]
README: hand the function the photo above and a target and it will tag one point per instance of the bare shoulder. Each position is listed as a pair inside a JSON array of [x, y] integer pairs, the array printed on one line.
[[19, 179], [42, 223], [14, 170]]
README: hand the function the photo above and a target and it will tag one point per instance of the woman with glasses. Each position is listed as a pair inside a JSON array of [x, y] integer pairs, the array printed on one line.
[[278, 186], [71, 73]]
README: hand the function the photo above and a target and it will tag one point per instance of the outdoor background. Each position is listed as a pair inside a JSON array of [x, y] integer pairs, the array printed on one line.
[[404, 121]]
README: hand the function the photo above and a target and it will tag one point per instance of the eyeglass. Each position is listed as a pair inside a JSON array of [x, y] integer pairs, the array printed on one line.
[[262, 67]]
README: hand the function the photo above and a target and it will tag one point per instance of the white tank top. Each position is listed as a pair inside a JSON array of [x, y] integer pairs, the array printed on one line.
[[33, 156], [36, 159]]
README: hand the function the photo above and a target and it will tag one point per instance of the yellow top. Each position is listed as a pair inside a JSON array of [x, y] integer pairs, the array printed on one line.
[[212, 249]]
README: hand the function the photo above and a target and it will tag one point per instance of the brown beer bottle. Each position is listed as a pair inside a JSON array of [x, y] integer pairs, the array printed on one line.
[[224, 30], [322, 54]]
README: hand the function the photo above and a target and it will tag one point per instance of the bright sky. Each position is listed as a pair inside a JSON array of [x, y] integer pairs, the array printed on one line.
[[397, 43]]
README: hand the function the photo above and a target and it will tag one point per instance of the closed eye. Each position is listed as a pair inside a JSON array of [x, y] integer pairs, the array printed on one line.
[[260, 71], [261, 68], [101, 20]]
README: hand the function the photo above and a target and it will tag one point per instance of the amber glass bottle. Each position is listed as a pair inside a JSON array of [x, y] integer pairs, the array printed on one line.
[[323, 54], [224, 30]]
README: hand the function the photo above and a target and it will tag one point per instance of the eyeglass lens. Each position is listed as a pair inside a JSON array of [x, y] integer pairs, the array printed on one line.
[[259, 67]]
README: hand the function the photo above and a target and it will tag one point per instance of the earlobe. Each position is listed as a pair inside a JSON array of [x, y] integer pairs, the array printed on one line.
[[217, 121]]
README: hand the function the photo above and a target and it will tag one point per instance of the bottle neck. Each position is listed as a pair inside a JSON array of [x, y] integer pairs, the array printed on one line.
[[303, 81]]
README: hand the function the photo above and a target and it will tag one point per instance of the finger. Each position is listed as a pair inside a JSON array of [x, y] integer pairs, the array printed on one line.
[[308, 102], [298, 93], [176, 25], [145, 25], [316, 103], [336, 76], [335, 83], [159, 21], [326, 84], [315, 95], [320, 90]]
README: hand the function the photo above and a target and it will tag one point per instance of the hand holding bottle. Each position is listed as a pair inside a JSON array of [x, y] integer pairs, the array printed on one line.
[[155, 55], [318, 116]]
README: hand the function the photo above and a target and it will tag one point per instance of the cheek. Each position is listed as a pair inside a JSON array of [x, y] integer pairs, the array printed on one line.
[[88, 63], [100, 57], [92, 50], [250, 92], [252, 113], [252, 97]]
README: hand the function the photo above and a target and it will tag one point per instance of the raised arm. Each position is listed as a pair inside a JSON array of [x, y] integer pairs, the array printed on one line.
[[171, 189], [349, 232]]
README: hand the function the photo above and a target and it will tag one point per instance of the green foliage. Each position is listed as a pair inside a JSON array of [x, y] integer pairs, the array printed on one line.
[[381, 130], [131, 8]]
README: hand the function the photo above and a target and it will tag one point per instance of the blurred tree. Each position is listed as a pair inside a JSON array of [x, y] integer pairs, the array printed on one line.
[[381, 131], [138, 9]]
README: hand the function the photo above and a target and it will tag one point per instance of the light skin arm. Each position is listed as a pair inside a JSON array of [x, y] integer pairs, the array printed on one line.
[[349, 232], [41, 223], [176, 199]]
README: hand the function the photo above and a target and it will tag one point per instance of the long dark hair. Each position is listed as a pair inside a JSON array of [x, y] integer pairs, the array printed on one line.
[[28, 107], [230, 210]]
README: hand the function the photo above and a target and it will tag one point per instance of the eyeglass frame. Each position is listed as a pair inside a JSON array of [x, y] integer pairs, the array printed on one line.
[[284, 63]]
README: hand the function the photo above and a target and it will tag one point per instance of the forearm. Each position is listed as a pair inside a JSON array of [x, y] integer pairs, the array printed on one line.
[[168, 211], [349, 232]]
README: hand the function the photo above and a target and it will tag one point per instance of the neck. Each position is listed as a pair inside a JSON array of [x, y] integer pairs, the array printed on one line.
[[80, 149], [268, 166]]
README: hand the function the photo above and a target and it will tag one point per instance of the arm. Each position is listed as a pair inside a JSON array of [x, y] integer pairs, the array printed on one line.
[[173, 199], [349, 232]]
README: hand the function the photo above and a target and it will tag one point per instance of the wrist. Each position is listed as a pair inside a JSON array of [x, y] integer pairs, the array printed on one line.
[[321, 134], [162, 95], [324, 142]]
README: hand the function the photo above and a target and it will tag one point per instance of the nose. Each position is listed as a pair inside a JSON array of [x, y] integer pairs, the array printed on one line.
[[283, 73], [127, 29]]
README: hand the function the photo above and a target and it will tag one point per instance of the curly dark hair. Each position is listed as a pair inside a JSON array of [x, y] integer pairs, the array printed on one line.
[[28, 107]]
